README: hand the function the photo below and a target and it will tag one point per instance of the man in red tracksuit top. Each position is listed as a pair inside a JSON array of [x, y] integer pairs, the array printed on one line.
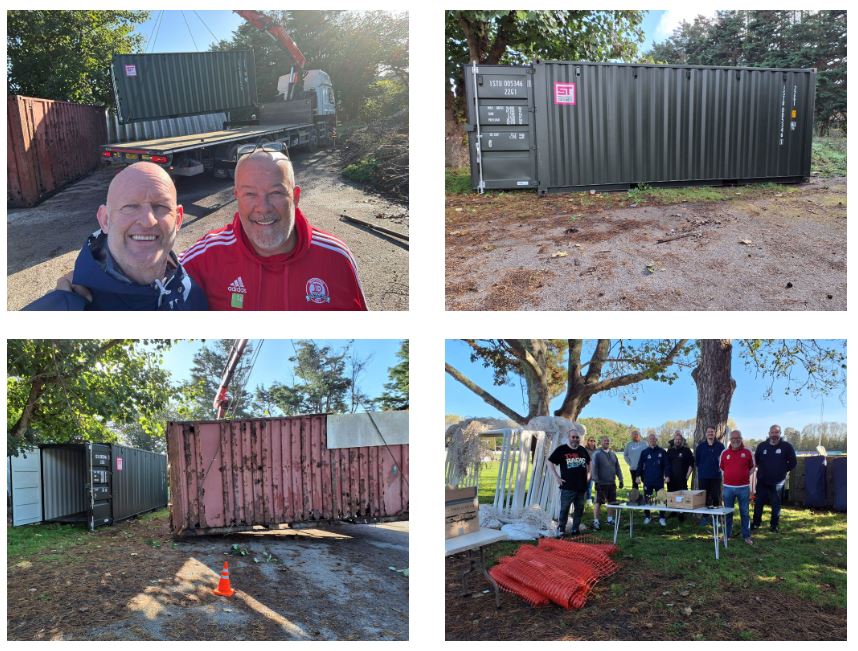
[[270, 257], [737, 465]]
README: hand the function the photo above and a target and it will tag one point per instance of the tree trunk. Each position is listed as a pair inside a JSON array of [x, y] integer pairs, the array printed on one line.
[[715, 387], [455, 138], [22, 425]]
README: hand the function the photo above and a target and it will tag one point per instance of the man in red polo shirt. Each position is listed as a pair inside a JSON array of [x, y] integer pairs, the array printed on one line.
[[737, 464], [270, 257]]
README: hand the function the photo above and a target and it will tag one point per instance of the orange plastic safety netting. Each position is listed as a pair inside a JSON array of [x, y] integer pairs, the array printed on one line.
[[556, 571]]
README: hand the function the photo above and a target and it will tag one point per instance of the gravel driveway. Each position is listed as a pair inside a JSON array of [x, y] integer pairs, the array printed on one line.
[[42, 242]]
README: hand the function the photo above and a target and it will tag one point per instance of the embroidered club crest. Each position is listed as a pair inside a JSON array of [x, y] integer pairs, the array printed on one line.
[[317, 291]]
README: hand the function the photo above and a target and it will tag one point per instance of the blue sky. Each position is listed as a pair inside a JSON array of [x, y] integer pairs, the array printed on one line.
[[655, 402], [659, 25], [273, 361], [186, 31], [177, 35]]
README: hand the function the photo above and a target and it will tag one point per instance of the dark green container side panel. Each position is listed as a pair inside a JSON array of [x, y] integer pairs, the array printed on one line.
[[156, 86], [660, 124], [139, 481], [501, 133], [562, 125]]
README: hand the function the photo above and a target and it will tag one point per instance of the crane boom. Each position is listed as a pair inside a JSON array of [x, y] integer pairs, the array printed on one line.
[[221, 401], [265, 24]]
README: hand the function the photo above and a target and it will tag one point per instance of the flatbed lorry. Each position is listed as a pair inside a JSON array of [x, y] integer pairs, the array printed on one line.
[[306, 122]]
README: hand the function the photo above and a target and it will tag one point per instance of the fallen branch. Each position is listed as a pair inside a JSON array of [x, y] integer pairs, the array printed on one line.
[[381, 229], [677, 237]]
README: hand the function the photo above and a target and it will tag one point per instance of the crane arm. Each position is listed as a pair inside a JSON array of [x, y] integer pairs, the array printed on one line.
[[221, 400], [263, 23]]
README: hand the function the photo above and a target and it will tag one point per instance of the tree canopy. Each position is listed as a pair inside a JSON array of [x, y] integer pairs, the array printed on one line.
[[551, 367], [66, 55], [355, 48], [579, 370], [770, 39], [395, 396], [70, 390], [517, 37]]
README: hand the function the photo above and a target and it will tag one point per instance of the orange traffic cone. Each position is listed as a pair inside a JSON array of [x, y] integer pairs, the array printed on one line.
[[224, 589]]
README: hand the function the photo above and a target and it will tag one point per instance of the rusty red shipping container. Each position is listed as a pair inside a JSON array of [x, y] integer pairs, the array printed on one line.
[[233, 474], [49, 144]]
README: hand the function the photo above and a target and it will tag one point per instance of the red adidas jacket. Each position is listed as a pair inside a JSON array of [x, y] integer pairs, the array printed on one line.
[[319, 274]]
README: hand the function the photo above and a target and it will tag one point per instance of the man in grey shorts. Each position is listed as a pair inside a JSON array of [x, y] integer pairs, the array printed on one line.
[[605, 466]]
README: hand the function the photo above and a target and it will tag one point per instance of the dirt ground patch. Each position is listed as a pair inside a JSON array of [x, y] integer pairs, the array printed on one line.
[[630, 605], [133, 581], [43, 242], [782, 249]]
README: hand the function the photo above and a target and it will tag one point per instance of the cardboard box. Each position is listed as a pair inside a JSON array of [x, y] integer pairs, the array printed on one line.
[[460, 525], [461, 507], [452, 494], [686, 499]]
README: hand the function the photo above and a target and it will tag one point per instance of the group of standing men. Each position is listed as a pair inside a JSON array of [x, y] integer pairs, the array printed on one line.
[[724, 473]]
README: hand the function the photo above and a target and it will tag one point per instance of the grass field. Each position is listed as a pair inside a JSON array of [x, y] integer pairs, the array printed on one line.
[[800, 572], [808, 558], [54, 541], [829, 156]]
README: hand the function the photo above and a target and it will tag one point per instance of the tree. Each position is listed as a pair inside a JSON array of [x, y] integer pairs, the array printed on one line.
[[518, 37], [611, 366], [715, 386], [354, 48], [322, 382], [74, 390], [395, 396], [803, 365], [66, 55], [208, 365]]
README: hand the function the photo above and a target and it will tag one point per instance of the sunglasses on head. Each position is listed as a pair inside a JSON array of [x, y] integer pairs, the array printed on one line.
[[246, 150]]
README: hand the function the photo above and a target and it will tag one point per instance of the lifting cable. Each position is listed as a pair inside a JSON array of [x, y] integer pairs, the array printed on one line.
[[386, 446], [216, 39], [190, 33], [156, 28]]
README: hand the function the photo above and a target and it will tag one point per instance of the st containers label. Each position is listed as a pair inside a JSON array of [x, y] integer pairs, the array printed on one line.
[[565, 93]]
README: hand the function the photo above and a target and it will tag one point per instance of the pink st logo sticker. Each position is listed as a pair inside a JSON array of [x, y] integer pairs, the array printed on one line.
[[564, 92]]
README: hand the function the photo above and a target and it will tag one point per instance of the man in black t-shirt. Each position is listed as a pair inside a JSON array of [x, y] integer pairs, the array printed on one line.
[[574, 463]]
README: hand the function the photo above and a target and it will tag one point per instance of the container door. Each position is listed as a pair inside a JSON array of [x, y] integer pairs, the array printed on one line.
[[100, 485], [500, 126], [26, 485]]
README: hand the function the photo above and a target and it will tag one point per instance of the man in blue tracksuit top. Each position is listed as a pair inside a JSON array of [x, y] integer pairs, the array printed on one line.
[[707, 456], [774, 459], [129, 263], [652, 468]]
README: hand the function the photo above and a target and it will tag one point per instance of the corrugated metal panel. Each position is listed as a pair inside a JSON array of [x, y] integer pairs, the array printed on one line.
[[139, 481], [235, 474], [616, 125], [155, 86], [25, 486], [49, 144], [166, 128], [64, 481]]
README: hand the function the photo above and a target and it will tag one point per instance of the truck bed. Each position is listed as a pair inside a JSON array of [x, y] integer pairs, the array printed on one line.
[[175, 144]]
